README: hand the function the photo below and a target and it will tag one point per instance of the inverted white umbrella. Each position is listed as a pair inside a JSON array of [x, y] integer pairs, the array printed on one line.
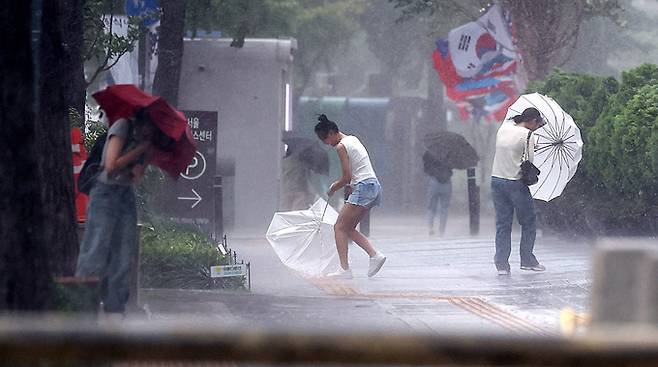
[[558, 145], [304, 239]]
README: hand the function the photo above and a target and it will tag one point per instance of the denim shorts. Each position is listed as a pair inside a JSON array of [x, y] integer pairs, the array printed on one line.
[[366, 193]]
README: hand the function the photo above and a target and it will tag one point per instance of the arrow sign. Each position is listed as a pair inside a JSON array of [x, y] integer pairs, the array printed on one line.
[[193, 199], [196, 197]]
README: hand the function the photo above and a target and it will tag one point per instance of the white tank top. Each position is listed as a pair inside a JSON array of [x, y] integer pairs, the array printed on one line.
[[360, 165]]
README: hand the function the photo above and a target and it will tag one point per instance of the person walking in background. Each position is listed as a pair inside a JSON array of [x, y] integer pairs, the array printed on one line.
[[296, 186], [511, 195], [110, 238], [361, 184], [439, 192]]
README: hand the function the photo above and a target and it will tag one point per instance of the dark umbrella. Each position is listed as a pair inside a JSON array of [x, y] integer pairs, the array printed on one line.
[[175, 147], [451, 149], [310, 152]]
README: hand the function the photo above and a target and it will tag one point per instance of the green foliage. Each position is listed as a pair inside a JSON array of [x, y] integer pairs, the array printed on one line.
[[615, 187], [75, 118], [321, 27], [447, 8], [627, 143], [75, 297], [269, 18], [619, 139], [177, 256], [448, 14], [584, 96], [322, 30], [401, 47], [100, 44], [149, 189], [546, 30], [632, 80], [93, 127]]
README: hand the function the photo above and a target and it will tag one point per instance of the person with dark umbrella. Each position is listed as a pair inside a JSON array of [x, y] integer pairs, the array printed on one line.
[[445, 151], [439, 192], [296, 191]]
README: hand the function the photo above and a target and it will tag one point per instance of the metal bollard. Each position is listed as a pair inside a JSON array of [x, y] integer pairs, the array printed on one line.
[[649, 289], [473, 202], [624, 282], [134, 304], [218, 223]]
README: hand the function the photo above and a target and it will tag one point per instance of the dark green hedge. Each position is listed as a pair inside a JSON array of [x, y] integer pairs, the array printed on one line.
[[614, 190]]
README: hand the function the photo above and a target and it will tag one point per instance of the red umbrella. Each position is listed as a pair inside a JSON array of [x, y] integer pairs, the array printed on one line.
[[124, 100], [176, 160]]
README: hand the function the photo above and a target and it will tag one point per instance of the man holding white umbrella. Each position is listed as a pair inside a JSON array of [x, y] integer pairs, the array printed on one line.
[[536, 129], [510, 194]]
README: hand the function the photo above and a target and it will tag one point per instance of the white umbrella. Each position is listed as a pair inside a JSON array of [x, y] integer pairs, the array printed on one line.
[[558, 145], [304, 239]]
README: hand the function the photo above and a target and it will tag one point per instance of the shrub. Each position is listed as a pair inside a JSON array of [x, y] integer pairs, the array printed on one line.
[[75, 295], [584, 97], [177, 256], [614, 188]]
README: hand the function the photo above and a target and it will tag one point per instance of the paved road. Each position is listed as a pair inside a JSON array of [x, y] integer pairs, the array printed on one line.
[[428, 284]]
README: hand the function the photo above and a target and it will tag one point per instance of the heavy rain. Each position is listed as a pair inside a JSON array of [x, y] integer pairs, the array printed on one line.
[[336, 182]]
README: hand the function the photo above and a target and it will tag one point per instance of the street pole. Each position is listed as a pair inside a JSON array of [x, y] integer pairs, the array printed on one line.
[[473, 202], [218, 222], [473, 189]]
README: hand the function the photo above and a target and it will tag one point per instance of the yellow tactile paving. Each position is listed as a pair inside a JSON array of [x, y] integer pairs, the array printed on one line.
[[488, 311], [474, 305]]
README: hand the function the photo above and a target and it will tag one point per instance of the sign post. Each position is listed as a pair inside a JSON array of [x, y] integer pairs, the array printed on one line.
[[192, 199]]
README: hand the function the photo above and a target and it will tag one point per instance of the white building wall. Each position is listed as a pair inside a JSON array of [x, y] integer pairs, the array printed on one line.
[[247, 87]]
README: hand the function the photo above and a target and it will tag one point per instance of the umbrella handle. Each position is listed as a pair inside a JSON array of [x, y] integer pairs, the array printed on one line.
[[325, 209]]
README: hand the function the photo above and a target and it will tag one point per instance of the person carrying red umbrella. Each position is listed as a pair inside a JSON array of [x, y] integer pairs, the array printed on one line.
[[142, 131]]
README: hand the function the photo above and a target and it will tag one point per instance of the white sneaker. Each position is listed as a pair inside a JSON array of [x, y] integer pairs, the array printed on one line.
[[504, 272], [376, 263], [341, 274]]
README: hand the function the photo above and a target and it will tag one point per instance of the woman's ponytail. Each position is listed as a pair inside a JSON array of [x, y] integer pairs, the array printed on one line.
[[325, 125]]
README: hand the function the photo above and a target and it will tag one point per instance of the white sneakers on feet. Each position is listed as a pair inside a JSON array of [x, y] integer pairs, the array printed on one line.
[[376, 263], [341, 274]]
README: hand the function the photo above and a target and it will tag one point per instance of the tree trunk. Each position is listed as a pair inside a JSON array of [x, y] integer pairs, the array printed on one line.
[[25, 283], [170, 50], [73, 83], [547, 31], [57, 93]]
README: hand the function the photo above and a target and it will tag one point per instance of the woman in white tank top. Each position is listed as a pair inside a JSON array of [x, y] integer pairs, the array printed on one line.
[[360, 182]]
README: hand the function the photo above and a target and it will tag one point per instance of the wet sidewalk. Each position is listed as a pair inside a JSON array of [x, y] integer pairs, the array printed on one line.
[[428, 284]]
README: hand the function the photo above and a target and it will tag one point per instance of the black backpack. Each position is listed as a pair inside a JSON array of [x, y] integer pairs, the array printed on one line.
[[92, 167]]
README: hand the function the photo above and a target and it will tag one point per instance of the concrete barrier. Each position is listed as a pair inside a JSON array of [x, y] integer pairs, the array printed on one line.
[[649, 289], [625, 282], [38, 340]]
